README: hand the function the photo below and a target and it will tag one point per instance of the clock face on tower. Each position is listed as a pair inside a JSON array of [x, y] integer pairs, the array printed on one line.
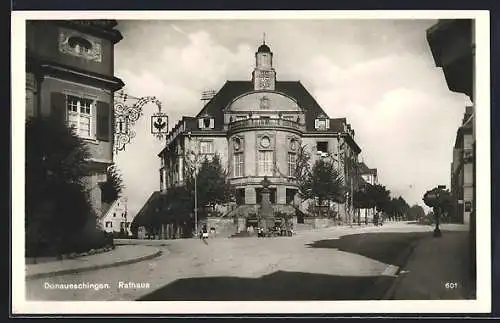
[[265, 79], [265, 82]]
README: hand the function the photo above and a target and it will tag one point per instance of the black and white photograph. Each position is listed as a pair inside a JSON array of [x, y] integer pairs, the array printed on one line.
[[251, 162]]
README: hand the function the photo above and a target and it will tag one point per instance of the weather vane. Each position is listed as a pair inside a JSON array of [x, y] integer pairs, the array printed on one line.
[[127, 114]]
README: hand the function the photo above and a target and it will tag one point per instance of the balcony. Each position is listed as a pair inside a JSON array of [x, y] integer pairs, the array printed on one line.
[[265, 123]]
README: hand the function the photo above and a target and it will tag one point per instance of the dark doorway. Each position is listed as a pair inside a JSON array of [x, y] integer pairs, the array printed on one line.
[[290, 194], [240, 196], [300, 216]]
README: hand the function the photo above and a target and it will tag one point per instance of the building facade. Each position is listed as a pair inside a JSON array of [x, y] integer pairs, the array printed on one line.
[[70, 73], [258, 128], [462, 188], [369, 176], [117, 219]]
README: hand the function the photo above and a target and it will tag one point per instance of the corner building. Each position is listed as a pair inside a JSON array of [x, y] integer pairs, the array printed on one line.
[[70, 73], [257, 128]]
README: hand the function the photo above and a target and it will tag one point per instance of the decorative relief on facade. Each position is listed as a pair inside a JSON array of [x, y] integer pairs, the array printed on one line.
[[237, 144], [79, 45], [265, 103], [265, 141], [293, 144]]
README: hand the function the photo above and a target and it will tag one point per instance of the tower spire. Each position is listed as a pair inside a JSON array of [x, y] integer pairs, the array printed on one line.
[[264, 38]]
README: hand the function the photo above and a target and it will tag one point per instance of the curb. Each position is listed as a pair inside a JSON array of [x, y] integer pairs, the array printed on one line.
[[91, 268], [381, 280], [402, 258]]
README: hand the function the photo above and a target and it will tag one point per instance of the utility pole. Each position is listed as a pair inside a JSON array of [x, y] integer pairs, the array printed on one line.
[[196, 198]]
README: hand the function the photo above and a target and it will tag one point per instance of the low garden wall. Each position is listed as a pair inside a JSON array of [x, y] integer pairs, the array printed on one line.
[[224, 227], [319, 222]]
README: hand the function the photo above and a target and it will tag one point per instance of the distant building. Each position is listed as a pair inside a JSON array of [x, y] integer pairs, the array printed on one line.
[[257, 127], [369, 175], [70, 72], [462, 180], [117, 219]]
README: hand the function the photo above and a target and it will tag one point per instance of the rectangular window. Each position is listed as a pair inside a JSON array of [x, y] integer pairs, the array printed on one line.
[[80, 115], [322, 146], [265, 163], [206, 147], [109, 224], [238, 165], [292, 161]]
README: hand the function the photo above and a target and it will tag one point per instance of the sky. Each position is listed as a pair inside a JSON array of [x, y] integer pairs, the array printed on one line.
[[379, 74]]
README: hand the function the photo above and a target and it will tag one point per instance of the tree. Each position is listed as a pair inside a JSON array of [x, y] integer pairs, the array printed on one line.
[[302, 169], [397, 208], [363, 199], [212, 184], [57, 204], [112, 189], [415, 212], [323, 183], [380, 197]]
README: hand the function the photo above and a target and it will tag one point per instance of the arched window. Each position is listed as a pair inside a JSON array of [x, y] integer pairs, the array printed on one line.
[[79, 44]]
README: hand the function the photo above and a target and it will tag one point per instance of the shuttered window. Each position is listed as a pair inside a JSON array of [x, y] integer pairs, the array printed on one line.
[[104, 121], [80, 115]]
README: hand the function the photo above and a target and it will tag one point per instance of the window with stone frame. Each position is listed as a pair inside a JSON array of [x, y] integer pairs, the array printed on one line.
[[322, 146], [238, 164], [206, 147], [80, 115], [265, 164], [291, 161]]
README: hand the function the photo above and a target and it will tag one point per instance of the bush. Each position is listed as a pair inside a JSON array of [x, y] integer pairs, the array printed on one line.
[[57, 205], [89, 240]]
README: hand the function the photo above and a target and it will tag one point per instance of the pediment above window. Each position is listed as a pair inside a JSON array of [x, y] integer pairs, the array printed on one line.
[[322, 122]]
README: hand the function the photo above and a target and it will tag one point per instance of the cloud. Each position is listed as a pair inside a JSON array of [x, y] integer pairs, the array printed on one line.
[[405, 119]]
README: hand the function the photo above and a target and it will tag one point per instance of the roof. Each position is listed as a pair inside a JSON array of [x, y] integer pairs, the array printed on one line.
[[263, 49], [150, 206], [233, 89], [365, 170]]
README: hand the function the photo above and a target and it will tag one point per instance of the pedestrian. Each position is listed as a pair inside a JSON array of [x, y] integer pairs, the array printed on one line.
[[204, 232]]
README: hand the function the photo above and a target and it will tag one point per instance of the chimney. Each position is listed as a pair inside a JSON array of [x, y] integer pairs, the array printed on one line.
[[206, 96]]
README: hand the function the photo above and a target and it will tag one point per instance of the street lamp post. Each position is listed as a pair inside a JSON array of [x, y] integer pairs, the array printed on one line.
[[195, 160], [196, 200]]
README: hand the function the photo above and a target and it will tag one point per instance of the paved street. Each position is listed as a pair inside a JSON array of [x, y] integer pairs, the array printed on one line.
[[329, 264]]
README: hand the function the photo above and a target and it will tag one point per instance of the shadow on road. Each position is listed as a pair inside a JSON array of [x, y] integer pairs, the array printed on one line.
[[382, 246], [278, 286]]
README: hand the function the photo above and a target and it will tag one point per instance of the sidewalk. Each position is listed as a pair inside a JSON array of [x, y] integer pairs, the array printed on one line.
[[121, 255], [438, 268]]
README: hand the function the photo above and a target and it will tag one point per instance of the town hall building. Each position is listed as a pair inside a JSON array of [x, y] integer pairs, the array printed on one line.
[[258, 127]]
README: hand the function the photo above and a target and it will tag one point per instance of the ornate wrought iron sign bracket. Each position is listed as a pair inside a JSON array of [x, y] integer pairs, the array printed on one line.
[[126, 115]]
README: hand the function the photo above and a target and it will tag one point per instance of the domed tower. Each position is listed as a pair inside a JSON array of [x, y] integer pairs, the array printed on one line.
[[264, 76]]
